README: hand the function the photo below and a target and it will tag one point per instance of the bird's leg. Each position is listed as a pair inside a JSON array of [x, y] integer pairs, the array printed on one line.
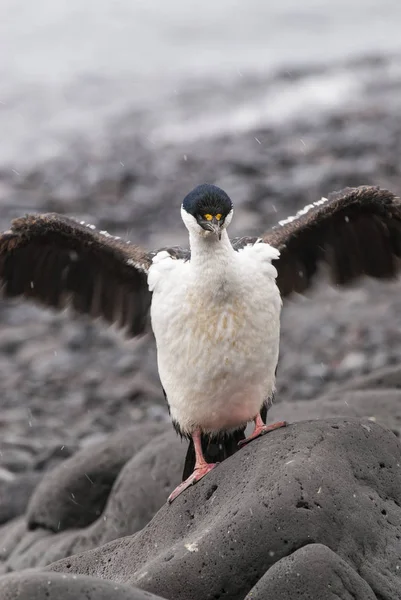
[[261, 429], [201, 467]]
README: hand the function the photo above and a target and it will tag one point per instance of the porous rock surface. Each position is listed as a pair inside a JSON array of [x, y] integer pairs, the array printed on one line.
[[311, 573], [376, 396], [31, 585], [75, 494], [138, 492], [383, 407], [15, 494], [336, 483]]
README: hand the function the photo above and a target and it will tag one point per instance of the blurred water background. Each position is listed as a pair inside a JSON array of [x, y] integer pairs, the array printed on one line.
[[69, 68]]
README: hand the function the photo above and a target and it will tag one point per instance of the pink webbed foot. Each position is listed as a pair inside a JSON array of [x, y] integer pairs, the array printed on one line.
[[198, 473], [261, 429]]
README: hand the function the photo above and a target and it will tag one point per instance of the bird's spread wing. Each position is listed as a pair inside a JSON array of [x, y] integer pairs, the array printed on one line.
[[59, 262], [356, 231]]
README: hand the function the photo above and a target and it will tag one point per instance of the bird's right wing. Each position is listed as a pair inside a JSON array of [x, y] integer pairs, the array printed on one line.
[[355, 232], [61, 263]]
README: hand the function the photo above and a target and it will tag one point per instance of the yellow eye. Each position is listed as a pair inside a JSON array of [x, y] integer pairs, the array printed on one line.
[[208, 217], [218, 217]]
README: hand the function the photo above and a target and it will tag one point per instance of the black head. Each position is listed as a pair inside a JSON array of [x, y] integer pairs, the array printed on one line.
[[209, 205]]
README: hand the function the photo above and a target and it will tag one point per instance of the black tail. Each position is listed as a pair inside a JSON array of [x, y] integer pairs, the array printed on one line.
[[214, 449]]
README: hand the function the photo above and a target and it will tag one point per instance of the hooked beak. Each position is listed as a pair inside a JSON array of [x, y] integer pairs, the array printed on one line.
[[215, 226]]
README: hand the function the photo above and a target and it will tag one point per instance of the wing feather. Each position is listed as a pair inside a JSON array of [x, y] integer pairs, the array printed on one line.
[[61, 263], [356, 232]]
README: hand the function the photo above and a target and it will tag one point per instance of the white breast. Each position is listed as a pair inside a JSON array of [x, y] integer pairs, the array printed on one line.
[[217, 336]]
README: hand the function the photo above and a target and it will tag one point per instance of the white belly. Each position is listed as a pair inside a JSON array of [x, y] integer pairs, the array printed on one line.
[[217, 353]]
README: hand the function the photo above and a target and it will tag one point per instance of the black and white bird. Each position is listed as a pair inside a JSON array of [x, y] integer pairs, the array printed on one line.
[[215, 308]]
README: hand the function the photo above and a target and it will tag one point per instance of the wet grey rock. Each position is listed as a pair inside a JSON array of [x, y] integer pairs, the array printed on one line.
[[30, 585], [336, 483], [53, 456], [375, 396], [10, 535], [21, 544], [313, 572], [140, 490], [386, 378], [16, 459], [15, 494], [382, 406], [75, 493]]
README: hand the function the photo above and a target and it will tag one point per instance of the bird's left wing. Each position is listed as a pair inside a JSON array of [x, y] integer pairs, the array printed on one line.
[[355, 232], [59, 262]]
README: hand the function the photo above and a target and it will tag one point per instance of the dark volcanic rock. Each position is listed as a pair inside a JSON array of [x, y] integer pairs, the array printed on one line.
[[382, 406], [142, 487], [30, 585], [11, 535], [15, 494], [51, 457], [376, 396], [311, 573], [335, 483], [387, 378], [75, 493], [139, 491]]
